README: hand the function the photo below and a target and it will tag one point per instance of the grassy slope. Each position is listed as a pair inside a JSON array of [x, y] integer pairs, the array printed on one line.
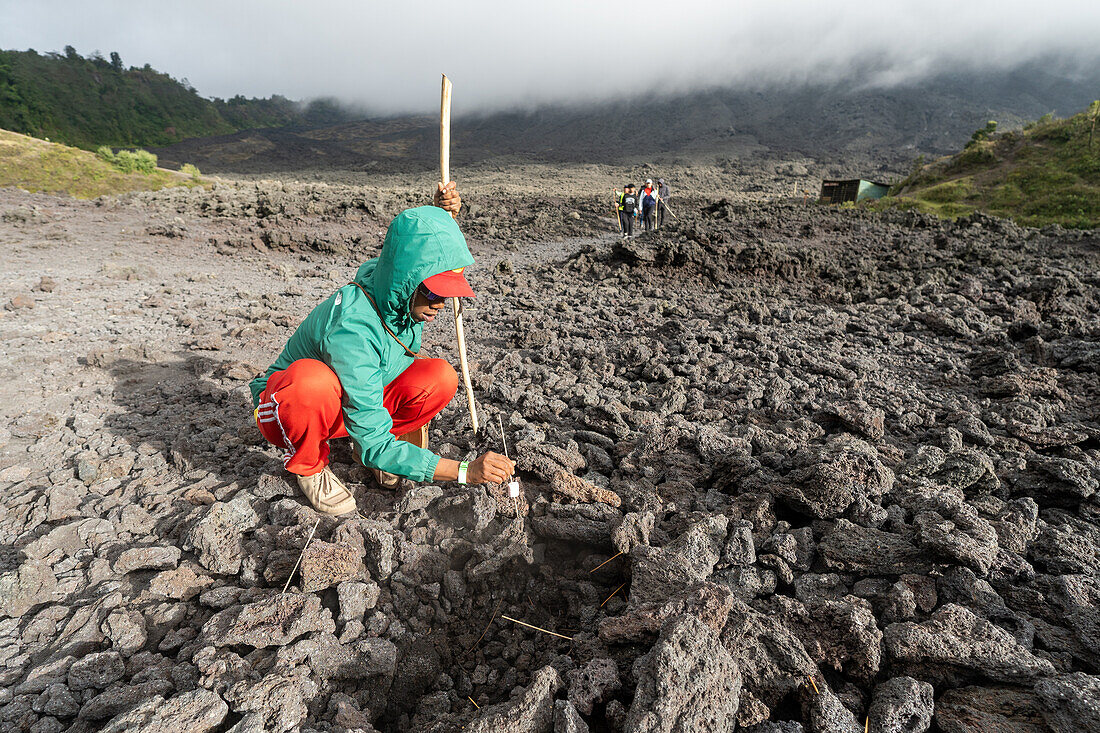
[[1043, 174], [36, 165]]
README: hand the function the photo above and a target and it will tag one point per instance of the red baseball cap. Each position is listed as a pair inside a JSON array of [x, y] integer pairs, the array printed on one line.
[[450, 284]]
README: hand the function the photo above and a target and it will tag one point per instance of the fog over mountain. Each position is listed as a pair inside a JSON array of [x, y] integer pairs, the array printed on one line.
[[387, 56]]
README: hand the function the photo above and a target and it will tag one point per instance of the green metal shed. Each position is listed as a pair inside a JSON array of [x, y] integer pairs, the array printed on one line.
[[856, 189]]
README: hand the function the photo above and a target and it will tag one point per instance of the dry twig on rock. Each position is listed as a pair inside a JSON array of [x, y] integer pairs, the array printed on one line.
[[604, 563], [537, 628], [301, 554], [486, 631], [605, 600]]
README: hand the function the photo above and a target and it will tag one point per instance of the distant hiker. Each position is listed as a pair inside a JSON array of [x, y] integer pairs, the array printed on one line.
[[648, 196], [663, 194], [352, 368], [628, 208]]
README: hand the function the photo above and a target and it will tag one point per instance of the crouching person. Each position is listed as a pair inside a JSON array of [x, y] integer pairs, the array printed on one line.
[[352, 368]]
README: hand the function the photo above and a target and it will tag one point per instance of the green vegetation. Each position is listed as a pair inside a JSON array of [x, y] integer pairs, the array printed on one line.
[[983, 134], [37, 165], [191, 171], [88, 102], [128, 161], [1047, 173]]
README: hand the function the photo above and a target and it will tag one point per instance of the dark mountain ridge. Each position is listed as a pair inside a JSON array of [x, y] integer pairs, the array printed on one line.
[[855, 125], [874, 129]]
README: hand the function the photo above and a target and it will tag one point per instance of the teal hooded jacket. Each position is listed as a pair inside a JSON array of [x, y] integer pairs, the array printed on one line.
[[346, 333]]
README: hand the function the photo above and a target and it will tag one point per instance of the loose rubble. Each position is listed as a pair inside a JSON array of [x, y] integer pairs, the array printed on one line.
[[784, 469]]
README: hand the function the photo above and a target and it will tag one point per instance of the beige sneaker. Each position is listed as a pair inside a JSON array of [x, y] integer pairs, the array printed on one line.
[[391, 481], [326, 493]]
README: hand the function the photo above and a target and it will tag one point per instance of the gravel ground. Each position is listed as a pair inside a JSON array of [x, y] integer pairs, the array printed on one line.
[[785, 469]]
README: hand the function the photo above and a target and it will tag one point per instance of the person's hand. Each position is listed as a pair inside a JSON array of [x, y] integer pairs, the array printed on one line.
[[447, 198], [490, 468]]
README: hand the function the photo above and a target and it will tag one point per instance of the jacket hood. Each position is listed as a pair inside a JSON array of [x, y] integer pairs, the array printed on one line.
[[420, 242]]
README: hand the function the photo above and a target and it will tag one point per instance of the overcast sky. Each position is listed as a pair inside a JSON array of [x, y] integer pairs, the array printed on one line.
[[388, 55]]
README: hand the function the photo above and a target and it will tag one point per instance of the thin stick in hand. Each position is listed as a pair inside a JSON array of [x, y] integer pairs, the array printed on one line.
[[504, 442]]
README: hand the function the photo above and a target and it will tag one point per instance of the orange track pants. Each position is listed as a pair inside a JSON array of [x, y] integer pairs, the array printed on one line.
[[300, 409]]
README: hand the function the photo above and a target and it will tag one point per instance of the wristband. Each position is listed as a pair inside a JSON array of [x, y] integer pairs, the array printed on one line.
[[462, 471]]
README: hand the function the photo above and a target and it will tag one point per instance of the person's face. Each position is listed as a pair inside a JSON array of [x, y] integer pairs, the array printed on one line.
[[425, 305]]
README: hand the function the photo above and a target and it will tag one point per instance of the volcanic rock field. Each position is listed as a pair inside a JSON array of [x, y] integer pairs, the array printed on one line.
[[784, 468]]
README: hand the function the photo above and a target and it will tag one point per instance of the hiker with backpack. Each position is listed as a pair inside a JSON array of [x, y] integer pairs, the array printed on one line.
[[628, 209]]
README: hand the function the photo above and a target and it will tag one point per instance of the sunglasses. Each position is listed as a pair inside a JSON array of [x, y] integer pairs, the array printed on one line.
[[432, 297]]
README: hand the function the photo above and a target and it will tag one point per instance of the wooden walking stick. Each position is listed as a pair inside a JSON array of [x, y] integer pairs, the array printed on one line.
[[659, 201], [445, 176]]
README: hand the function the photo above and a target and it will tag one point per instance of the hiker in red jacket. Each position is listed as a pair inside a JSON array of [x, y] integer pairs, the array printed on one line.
[[648, 195]]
